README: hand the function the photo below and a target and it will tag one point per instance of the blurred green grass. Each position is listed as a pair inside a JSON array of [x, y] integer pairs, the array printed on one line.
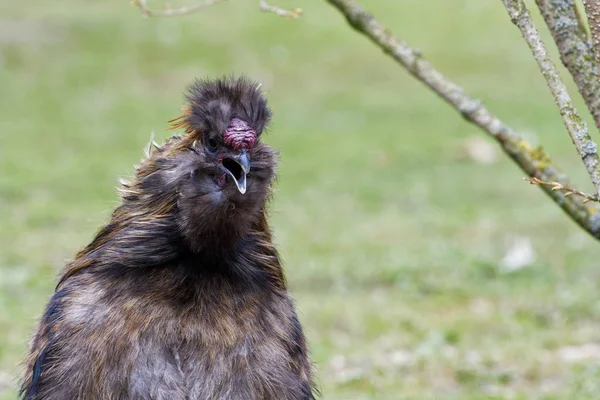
[[391, 242]]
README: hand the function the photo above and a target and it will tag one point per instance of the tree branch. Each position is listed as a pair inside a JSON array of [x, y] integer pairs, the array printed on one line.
[[567, 190], [266, 7], [176, 12], [534, 161], [576, 51], [592, 10], [587, 149]]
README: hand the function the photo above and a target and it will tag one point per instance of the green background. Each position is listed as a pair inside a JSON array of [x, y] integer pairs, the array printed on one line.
[[392, 238]]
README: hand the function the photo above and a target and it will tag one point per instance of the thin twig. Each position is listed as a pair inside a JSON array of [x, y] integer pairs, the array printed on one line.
[[576, 52], [581, 22], [587, 149], [266, 7], [556, 186], [176, 12], [534, 161], [592, 10]]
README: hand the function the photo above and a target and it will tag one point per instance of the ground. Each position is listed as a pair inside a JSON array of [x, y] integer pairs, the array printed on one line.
[[393, 237]]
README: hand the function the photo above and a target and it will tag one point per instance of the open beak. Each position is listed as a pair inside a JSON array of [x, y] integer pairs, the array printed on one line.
[[237, 167]]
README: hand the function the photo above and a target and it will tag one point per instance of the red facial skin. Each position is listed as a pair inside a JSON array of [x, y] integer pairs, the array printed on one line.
[[239, 135]]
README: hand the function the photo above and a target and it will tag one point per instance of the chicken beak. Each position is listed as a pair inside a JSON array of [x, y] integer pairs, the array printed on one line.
[[237, 167]]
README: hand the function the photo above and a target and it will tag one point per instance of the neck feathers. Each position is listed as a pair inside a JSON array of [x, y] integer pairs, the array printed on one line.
[[141, 242]]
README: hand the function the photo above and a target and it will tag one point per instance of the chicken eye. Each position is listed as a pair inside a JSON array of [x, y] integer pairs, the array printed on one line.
[[211, 144]]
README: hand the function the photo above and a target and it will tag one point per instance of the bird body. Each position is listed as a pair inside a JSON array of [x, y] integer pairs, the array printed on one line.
[[181, 295]]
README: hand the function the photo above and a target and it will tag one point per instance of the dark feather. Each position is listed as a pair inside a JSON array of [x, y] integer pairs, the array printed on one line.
[[212, 104]]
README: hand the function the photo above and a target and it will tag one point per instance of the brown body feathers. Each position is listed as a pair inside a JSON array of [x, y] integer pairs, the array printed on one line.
[[181, 295]]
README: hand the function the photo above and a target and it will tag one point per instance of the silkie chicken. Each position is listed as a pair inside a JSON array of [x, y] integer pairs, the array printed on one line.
[[181, 295]]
